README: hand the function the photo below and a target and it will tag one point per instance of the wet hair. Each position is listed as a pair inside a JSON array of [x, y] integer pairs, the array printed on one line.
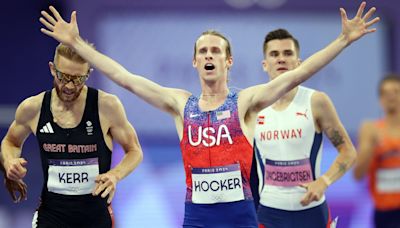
[[69, 53], [218, 34], [388, 78], [280, 34]]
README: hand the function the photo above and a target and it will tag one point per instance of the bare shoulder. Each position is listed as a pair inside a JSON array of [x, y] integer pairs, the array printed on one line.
[[249, 91], [322, 105], [182, 95], [368, 126], [368, 133], [245, 96], [180, 98], [108, 102], [29, 108], [320, 99]]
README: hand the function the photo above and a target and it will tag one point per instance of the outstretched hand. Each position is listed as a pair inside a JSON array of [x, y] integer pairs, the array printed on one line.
[[59, 29], [13, 187], [357, 27]]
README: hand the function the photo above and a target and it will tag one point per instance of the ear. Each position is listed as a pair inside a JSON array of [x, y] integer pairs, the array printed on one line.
[[299, 61], [89, 73], [194, 63], [264, 65], [52, 69], [229, 62]]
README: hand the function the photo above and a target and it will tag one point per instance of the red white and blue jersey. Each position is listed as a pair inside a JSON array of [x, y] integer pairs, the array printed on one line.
[[288, 151], [217, 159], [215, 139]]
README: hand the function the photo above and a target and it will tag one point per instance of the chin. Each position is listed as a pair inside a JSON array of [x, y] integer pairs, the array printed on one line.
[[68, 98]]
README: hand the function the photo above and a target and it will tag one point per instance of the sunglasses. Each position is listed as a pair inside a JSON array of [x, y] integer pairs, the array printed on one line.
[[66, 78]]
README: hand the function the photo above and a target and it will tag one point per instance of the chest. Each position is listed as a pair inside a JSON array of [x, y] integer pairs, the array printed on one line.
[[67, 117]]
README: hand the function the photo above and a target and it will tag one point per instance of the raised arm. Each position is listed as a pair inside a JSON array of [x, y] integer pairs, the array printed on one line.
[[258, 97], [327, 121], [19, 130], [366, 142], [122, 132], [167, 99]]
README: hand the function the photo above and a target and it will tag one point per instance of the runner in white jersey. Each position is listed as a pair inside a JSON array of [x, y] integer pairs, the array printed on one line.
[[288, 146]]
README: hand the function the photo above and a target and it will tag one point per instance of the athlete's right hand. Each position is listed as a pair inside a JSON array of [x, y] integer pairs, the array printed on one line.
[[13, 187], [15, 168], [106, 184], [64, 32]]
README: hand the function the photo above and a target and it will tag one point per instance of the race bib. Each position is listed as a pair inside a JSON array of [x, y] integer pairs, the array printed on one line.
[[287, 173], [388, 180], [72, 176], [217, 184]]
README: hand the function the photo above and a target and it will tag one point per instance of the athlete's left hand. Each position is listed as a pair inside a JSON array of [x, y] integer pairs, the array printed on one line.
[[315, 190], [354, 29], [107, 184]]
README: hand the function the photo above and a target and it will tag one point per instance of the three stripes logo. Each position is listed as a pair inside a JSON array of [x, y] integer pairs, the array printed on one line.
[[47, 129]]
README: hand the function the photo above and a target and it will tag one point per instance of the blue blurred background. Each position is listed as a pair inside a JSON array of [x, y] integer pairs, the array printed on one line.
[[155, 38]]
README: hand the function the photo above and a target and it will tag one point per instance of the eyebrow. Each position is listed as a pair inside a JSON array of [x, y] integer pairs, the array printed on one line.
[[284, 51]]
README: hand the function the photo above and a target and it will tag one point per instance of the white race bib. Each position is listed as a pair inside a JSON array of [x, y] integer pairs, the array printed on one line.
[[217, 184], [72, 176], [388, 180]]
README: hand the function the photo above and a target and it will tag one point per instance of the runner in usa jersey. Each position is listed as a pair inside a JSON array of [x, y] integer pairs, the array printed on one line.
[[379, 155], [213, 129], [217, 158], [288, 146]]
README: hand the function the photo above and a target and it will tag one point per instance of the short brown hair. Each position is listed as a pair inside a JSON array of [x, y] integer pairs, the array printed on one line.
[[280, 34], [69, 53], [228, 50]]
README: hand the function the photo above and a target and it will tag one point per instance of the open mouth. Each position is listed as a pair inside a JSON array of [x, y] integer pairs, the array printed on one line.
[[209, 66], [66, 92]]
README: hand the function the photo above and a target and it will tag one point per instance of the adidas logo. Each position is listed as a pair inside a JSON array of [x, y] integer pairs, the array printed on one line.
[[47, 128]]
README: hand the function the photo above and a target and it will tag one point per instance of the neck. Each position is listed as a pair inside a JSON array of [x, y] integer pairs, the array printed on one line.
[[287, 97], [214, 90], [65, 105], [393, 118], [214, 96]]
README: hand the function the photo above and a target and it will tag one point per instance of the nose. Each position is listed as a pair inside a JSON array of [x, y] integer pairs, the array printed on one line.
[[70, 85], [281, 59], [209, 55]]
